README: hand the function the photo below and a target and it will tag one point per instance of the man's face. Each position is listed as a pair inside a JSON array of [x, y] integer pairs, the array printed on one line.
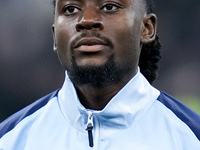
[[93, 33]]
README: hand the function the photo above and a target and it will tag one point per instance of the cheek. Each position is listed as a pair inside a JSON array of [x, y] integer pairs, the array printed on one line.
[[63, 34], [126, 37]]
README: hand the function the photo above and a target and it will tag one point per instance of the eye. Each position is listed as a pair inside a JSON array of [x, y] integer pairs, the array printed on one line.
[[69, 10], [110, 8]]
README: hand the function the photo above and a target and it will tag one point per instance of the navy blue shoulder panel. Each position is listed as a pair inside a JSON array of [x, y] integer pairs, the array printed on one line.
[[187, 115], [8, 124]]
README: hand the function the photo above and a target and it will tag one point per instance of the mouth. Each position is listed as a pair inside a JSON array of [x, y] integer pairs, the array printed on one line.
[[90, 45], [92, 51]]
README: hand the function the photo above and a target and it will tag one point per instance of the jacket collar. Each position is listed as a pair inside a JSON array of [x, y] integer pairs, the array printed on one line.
[[128, 105]]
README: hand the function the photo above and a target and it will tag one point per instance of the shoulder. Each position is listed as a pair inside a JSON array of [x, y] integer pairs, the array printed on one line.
[[183, 112], [8, 124]]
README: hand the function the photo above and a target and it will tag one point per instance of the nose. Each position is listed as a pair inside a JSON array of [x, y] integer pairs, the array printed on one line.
[[89, 20]]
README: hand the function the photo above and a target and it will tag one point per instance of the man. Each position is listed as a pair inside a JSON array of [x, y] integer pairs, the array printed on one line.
[[105, 102]]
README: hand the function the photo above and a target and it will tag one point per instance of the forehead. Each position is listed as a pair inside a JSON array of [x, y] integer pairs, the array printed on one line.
[[139, 3], [138, 6], [135, 1]]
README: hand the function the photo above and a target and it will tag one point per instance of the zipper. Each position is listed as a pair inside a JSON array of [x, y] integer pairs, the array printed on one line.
[[96, 138], [89, 128]]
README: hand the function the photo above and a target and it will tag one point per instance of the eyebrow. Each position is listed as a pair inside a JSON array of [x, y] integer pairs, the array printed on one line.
[[69, 0], [62, 1]]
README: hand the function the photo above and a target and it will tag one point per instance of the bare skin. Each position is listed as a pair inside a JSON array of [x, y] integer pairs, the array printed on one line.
[[124, 22]]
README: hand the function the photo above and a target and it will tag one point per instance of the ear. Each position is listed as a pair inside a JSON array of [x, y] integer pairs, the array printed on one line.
[[149, 28], [54, 41]]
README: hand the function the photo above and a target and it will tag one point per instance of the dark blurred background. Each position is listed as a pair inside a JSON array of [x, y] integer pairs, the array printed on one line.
[[29, 69]]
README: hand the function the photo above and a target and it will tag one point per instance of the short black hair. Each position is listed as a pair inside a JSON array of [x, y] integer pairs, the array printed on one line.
[[150, 53], [150, 6]]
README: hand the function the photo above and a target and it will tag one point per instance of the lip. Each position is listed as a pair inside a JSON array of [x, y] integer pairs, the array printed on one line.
[[91, 50], [87, 42]]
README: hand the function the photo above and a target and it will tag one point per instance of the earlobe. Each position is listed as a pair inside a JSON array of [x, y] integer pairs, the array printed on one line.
[[54, 41], [149, 28]]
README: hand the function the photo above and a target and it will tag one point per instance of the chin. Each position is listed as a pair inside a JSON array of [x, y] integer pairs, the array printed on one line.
[[93, 73], [91, 63]]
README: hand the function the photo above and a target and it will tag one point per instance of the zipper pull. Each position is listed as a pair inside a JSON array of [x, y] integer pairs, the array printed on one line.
[[89, 128]]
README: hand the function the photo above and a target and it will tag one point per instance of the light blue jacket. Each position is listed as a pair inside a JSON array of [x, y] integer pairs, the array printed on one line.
[[139, 117]]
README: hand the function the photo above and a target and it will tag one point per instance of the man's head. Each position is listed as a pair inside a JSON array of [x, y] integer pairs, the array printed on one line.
[[99, 42]]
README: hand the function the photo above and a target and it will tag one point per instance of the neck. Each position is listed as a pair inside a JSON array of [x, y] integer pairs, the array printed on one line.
[[97, 98]]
